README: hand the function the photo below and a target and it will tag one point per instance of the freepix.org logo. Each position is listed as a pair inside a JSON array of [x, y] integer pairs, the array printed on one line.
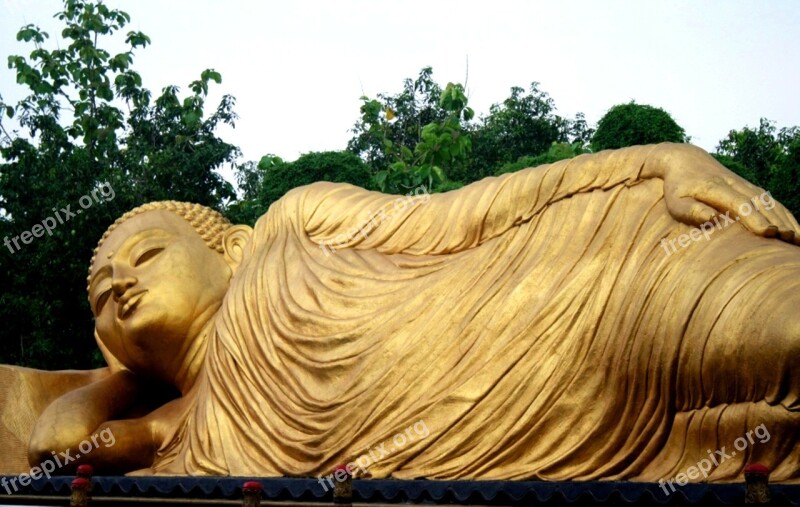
[[103, 193], [704, 466], [48, 466]]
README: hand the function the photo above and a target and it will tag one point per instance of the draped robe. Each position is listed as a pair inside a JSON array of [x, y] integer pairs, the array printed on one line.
[[534, 322]]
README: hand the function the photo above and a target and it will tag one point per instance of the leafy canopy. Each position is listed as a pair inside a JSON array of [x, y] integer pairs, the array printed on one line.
[[87, 121], [405, 152], [768, 157], [634, 124]]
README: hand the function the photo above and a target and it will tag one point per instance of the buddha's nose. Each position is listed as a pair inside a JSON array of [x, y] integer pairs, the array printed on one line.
[[120, 284]]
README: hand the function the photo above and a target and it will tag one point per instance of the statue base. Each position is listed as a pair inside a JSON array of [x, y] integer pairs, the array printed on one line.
[[167, 491]]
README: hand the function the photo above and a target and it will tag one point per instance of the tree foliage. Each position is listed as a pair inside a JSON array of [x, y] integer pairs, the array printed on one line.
[[267, 181], [557, 151], [768, 157], [439, 147], [416, 106], [400, 135], [524, 124], [633, 124], [87, 123]]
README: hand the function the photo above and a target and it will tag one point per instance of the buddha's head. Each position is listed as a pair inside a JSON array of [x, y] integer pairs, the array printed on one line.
[[157, 278]]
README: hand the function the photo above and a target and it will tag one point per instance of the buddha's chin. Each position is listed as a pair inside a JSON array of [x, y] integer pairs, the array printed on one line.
[[145, 327], [152, 328]]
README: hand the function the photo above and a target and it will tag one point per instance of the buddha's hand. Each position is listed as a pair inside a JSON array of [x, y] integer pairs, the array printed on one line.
[[697, 189]]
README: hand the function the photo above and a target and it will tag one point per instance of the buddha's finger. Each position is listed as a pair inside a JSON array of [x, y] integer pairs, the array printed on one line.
[[759, 224], [724, 198], [743, 186], [689, 210], [788, 227], [792, 219], [683, 206], [795, 226], [754, 197], [750, 209], [787, 236], [789, 219], [739, 208], [779, 216]]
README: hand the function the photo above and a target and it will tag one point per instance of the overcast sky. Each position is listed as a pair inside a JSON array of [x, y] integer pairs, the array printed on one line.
[[297, 69]]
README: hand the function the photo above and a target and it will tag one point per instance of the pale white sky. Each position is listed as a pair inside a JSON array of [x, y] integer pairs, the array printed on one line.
[[298, 69]]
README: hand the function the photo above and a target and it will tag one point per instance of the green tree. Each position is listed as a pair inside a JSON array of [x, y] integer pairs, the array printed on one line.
[[757, 149], [580, 133], [557, 151], [171, 149], [406, 113], [634, 124], [266, 182], [768, 157], [405, 153], [88, 124], [524, 124]]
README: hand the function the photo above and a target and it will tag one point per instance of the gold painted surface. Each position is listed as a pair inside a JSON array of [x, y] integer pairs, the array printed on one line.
[[534, 324], [24, 394]]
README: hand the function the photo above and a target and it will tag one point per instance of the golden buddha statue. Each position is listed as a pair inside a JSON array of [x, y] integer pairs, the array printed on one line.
[[620, 315]]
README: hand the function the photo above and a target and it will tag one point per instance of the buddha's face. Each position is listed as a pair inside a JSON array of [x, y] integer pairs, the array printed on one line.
[[153, 287]]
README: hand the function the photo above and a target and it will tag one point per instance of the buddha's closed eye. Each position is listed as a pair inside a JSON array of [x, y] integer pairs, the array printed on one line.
[[101, 301], [147, 255]]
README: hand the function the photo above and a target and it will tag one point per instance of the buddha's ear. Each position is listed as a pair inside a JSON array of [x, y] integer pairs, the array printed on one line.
[[233, 244], [113, 363]]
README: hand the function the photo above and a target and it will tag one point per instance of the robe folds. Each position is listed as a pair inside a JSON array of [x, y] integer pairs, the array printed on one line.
[[534, 324]]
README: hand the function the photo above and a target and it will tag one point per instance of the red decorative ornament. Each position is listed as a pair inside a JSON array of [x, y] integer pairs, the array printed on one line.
[[80, 482], [85, 470], [252, 486], [756, 469]]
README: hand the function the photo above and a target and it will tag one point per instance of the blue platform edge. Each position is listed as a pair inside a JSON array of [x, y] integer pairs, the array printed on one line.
[[413, 491]]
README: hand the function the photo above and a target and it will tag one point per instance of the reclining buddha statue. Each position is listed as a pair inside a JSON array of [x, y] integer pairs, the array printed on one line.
[[619, 315]]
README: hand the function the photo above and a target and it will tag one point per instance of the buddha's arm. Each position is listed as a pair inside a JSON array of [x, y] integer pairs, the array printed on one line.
[[81, 416], [132, 444], [696, 187]]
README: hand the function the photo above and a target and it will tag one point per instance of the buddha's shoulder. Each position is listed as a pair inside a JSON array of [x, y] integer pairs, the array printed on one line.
[[320, 190]]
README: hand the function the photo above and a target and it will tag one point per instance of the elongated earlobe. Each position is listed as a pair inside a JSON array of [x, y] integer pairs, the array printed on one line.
[[234, 242], [114, 364]]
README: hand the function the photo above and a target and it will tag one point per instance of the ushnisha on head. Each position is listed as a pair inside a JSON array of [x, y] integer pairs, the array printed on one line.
[[157, 279]]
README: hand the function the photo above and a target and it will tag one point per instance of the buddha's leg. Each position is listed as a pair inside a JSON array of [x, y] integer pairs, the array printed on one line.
[[738, 379], [752, 351]]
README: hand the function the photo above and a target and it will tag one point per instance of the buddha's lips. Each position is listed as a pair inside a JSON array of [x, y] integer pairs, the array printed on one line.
[[129, 304]]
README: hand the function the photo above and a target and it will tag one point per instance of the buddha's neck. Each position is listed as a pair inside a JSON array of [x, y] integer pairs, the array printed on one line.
[[190, 360]]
